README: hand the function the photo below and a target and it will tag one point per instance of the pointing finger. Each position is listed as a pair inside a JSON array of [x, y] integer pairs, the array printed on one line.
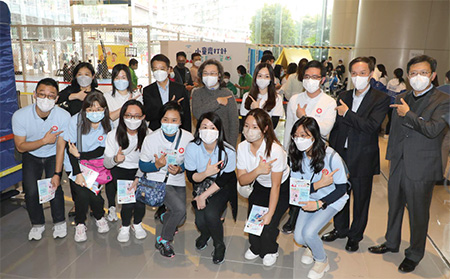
[[333, 172], [341, 102], [403, 101], [273, 160]]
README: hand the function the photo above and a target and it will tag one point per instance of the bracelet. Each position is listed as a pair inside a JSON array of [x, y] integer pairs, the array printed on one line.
[[317, 203]]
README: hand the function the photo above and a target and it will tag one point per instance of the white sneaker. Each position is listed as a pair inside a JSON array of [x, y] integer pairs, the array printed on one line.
[[124, 234], [270, 259], [249, 255], [60, 230], [36, 232], [307, 257], [139, 231], [318, 270], [112, 216], [80, 233], [102, 225]]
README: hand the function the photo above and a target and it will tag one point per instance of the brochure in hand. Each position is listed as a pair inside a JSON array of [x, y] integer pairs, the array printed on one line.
[[298, 191], [125, 194], [46, 191], [89, 176], [253, 225]]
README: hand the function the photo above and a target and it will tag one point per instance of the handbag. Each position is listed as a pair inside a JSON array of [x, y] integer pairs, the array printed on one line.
[[201, 187], [153, 192], [105, 175], [244, 190]]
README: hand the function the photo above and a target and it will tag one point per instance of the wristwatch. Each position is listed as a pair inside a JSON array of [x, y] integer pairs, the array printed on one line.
[[324, 204], [58, 174]]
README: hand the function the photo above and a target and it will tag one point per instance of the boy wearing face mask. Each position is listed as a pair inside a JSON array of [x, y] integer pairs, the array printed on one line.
[[361, 112], [229, 84], [414, 149], [182, 73], [162, 91], [38, 134], [196, 62]]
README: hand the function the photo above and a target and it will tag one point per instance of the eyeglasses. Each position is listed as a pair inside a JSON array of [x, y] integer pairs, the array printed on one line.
[[212, 74], [132, 116], [422, 73], [43, 96], [312, 77]]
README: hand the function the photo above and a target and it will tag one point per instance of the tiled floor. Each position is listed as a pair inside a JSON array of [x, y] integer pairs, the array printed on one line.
[[103, 257]]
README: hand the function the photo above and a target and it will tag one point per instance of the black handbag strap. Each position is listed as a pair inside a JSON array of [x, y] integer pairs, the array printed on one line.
[[176, 148], [347, 173]]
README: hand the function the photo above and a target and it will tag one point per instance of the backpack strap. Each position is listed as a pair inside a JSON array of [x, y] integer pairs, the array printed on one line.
[[347, 173]]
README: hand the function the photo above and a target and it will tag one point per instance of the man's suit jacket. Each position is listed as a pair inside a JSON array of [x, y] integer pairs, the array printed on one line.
[[153, 104], [361, 129], [417, 137]]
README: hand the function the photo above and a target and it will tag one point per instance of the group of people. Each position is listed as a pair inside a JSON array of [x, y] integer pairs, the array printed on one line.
[[134, 137]]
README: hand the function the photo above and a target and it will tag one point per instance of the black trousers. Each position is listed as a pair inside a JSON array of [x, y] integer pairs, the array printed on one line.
[[85, 198], [130, 210], [266, 243], [417, 195], [32, 169], [208, 220]]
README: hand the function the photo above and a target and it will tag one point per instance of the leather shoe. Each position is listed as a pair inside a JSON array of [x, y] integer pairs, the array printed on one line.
[[407, 265], [331, 236], [381, 249], [352, 245]]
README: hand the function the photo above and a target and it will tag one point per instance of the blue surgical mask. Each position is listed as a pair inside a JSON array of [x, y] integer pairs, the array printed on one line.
[[121, 84], [95, 116], [169, 128]]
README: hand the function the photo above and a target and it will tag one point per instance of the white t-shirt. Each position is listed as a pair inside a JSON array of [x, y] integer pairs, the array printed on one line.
[[277, 110], [116, 102], [248, 162], [322, 108], [395, 85], [156, 143], [131, 154]]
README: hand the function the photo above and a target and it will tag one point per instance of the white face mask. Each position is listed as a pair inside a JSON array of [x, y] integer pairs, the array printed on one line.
[[172, 75], [210, 81], [198, 63], [160, 75], [84, 81], [419, 82], [303, 143], [226, 80], [133, 124], [208, 136], [45, 104], [262, 83], [311, 85], [360, 82], [252, 135]]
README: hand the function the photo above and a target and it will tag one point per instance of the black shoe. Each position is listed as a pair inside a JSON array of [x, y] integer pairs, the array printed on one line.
[[201, 242], [219, 254], [160, 211], [287, 228], [381, 249], [165, 249], [72, 212], [352, 245], [407, 265], [332, 236]]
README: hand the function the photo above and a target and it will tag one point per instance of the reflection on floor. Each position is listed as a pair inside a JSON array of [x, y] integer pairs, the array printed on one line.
[[103, 257]]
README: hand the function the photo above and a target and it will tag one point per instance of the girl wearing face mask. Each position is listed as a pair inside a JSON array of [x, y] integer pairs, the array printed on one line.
[[160, 158], [310, 160], [83, 83], [215, 96], [122, 151], [94, 126], [209, 157], [263, 94], [121, 91], [262, 161]]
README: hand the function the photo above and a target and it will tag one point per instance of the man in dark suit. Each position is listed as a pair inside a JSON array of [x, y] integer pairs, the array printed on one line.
[[355, 137], [160, 92], [414, 149]]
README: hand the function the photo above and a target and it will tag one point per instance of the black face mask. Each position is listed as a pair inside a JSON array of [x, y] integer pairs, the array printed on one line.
[[181, 64]]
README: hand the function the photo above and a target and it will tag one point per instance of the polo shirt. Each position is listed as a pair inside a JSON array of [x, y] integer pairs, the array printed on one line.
[[116, 102], [244, 82], [277, 110]]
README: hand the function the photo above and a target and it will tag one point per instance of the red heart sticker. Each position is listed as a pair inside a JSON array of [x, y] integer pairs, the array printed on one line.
[[55, 128], [181, 150], [319, 110], [100, 138], [325, 171]]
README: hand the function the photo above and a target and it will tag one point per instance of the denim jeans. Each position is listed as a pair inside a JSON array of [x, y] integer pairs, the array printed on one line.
[[307, 230], [32, 168]]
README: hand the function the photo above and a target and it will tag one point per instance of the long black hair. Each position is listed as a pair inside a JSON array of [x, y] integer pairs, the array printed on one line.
[[382, 69], [75, 85], [254, 90], [221, 140], [398, 73], [115, 72], [88, 102], [122, 134], [318, 148], [264, 122]]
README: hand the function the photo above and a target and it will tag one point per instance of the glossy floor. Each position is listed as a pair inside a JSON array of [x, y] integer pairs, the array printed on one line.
[[101, 256]]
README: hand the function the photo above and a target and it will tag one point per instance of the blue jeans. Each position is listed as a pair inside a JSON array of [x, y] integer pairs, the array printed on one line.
[[32, 169], [306, 233]]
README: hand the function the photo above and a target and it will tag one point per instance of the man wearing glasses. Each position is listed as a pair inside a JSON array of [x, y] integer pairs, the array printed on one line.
[[38, 134], [314, 103], [355, 137], [414, 149]]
